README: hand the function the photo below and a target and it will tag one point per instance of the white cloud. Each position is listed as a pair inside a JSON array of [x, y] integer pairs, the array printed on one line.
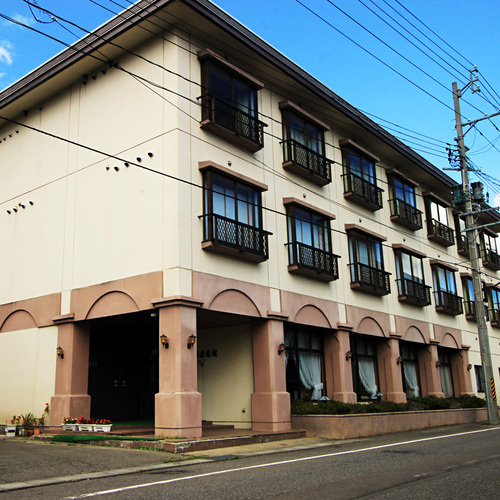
[[24, 19], [5, 52]]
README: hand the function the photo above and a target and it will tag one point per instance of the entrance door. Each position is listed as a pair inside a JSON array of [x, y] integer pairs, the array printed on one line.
[[123, 369]]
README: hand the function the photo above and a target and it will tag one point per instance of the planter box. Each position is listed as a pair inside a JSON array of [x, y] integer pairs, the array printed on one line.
[[10, 431], [86, 427], [69, 427], [372, 424], [102, 428]]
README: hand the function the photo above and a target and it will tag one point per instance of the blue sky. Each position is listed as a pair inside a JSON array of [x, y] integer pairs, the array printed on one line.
[[470, 29]]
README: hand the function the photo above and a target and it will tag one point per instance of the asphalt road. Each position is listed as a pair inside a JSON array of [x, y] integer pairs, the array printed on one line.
[[446, 463]]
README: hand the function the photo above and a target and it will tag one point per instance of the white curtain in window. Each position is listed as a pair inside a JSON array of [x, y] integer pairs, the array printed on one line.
[[410, 374], [367, 376], [446, 382], [310, 372]]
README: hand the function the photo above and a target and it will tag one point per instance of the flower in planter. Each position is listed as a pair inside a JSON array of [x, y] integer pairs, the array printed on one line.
[[70, 420], [83, 420]]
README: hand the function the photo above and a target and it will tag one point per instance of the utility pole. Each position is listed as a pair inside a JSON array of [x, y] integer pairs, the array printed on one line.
[[472, 235]]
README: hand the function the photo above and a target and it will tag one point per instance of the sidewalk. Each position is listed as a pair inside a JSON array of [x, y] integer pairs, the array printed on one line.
[[26, 463]]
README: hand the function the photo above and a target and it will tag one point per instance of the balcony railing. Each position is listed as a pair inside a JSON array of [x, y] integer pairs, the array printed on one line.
[[413, 292], [311, 261], [448, 303], [232, 123], [306, 162], [490, 258], [230, 236], [462, 245], [370, 279], [494, 316], [470, 309], [362, 191], [440, 233], [405, 214]]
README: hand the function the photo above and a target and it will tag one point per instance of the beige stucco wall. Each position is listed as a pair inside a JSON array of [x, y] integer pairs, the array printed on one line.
[[27, 371], [226, 381]]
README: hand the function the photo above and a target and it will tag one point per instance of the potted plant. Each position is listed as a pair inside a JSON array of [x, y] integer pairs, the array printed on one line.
[[102, 425], [70, 424], [40, 422], [28, 424], [85, 424], [10, 428]]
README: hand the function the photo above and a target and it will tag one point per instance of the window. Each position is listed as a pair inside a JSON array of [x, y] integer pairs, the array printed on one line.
[[437, 223], [229, 102], [493, 299], [309, 244], [367, 264], [410, 278], [364, 367], [304, 146], [360, 182], [481, 387], [469, 304], [409, 367], [488, 250], [445, 291], [403, 204], [444, 358], [462, 242], [304, 364], [233, 218]]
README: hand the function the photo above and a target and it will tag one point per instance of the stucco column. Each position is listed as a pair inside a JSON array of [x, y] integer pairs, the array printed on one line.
[[461, 375], [72, 374], [429, 372], [178, 402], [391, 382], [270, 401], [338, 371]]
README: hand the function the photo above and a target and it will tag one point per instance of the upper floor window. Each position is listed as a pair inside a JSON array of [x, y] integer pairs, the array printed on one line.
[[360, 181], [489, 251], [229, 102], [469, 302], [410, 278], [367, 264], [462, 241], [309, 244], [304, 364], [438, 228], [304, 145], [493, 299], [445, 290], [403, 204], [233, 218]]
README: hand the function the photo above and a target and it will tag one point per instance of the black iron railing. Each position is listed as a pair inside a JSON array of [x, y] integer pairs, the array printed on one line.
[[313, 259], [449, 303], [225, 232], [306, 158], [224, 114], [440, 232], [414, 292], [409, 214], [490, 258], [370, 278], [363, 189]]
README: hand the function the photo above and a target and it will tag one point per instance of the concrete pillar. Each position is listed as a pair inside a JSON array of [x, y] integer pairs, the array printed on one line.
[[338, 371], [462, 383], [178, 402], [71, 397], [429, 372], [391, 381], [270, 401]]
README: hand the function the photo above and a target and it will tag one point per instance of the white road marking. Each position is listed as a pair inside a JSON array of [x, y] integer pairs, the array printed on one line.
[[283, 462]]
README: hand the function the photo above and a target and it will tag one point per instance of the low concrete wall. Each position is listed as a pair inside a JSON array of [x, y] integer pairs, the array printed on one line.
[[371, 424]]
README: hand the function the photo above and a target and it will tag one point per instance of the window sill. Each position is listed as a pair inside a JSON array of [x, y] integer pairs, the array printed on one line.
[[439, 239], [413, 301], [364, 287], [405, 223], [450, 312], [231, 136], [210, 246], [319, 275], [306, 173], [352, 196]]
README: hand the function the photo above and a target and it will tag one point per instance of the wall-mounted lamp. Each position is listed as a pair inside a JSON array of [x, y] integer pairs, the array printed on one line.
[[469, 367], [281, 349], [348, 355], [191, 341], [438, 364], [399, 360], [60, 352], [164, 341]]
